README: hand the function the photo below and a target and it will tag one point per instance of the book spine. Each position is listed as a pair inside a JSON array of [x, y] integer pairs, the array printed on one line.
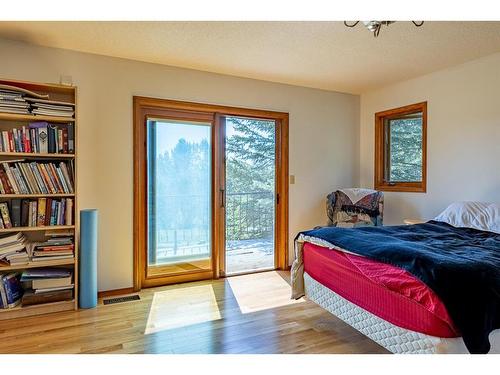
[[11, 142], [69, 212], [33, 214], [60, 141], [53, 215], [51, 145], [16, 212], [4, 211], [48, 211], [25, 211], [41, 212], [3, 294], [71, 139], [43, 139], [65, 140]]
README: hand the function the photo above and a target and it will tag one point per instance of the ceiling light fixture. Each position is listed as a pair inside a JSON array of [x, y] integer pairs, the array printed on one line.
[[375, 26]]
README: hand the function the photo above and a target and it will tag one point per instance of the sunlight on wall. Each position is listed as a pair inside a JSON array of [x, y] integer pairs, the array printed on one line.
[[182, 307], [261, 291]]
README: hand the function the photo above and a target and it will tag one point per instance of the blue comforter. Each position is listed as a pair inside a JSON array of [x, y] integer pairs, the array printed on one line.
[[461, 265]]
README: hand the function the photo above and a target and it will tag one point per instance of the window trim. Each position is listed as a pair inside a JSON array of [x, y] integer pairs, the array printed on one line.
[[379, 181]]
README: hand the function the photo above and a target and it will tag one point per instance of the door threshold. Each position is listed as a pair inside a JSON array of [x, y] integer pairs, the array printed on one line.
[[241, 273]]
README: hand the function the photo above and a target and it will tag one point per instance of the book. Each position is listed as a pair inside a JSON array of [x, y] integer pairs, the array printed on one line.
[[47, 272], [41, 212], [16, 212], [25, 207], [4, 212], [21, 92], [45, 290], [42, 283], [45, 101], [31, 298], [12, 288], [71, 139]]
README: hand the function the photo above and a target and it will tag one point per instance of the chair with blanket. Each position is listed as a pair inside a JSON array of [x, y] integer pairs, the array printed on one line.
[[350, 208]]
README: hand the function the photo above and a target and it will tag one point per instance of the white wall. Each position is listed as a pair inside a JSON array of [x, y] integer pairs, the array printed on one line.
[[324, 137], [463, 149]]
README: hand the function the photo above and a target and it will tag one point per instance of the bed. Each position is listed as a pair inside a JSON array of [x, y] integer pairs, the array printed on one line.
[[425, 288]]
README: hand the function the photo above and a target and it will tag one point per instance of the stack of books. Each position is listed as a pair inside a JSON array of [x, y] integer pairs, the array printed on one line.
[[43, 285], [36, 212], [39, 137], [18, 177], [11, 290], [51, 108], [55, 248], [12, 101], [13, 250]]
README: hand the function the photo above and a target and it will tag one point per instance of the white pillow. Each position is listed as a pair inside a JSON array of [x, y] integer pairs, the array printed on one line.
[[476, 215]]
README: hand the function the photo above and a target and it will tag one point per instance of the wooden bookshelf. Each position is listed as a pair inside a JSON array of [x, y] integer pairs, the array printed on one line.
[[46, 308], [33, 118], [33, 155], [10, 121], [25, 196], [40, 264]]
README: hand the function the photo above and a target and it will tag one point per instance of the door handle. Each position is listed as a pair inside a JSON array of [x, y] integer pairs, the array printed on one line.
[[222, 198]]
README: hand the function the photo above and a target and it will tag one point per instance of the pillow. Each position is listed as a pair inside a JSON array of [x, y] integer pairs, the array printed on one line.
[[476, 215]]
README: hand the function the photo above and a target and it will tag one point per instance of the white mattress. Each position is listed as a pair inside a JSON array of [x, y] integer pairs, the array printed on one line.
[[391, 337]]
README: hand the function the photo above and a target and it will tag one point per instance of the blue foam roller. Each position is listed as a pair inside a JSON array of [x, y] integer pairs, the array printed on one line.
[[88, 259]]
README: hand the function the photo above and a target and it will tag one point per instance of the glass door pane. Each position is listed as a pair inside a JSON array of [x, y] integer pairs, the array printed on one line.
[[250, 194], [179, 197]]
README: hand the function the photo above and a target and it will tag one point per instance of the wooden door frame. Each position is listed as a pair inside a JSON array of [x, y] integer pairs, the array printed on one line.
[[144, 107]]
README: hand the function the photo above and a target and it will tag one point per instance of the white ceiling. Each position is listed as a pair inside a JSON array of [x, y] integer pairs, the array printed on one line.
[[324, 55]]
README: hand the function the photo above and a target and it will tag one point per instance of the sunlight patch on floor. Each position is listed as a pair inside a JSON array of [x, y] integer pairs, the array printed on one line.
[[182, 307], [261, 291]]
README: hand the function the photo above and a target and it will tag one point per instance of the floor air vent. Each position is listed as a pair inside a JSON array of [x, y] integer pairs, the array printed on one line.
[[110, 301]]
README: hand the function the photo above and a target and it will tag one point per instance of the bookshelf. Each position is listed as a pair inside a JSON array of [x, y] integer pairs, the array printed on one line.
[[8, 122]]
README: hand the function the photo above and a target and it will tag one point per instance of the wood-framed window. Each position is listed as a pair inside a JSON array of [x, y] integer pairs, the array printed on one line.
[[401, 149]]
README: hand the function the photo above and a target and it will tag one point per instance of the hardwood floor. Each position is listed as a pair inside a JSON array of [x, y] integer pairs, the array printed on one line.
[[243, 314]]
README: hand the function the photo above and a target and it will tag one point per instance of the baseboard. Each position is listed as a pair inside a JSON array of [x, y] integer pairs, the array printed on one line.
[[115, 292]]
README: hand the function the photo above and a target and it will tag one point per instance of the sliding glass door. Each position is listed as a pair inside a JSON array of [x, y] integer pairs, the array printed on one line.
[[210, 191], [179, 163], [250, 194]]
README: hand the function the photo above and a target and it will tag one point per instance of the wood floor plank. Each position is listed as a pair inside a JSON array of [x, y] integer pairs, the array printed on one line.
[[252, 314]]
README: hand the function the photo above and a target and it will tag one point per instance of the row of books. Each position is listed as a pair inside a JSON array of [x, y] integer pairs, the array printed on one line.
[[39, 137], [36, 286], [14, 101], [16, 250], [36, 213], [55, 248], [19, 177]]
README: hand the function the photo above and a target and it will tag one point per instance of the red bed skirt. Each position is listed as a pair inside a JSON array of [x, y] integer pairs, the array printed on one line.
[[387, 291]]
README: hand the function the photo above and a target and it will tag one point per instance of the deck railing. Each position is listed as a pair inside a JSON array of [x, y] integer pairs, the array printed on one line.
[[250, 216]]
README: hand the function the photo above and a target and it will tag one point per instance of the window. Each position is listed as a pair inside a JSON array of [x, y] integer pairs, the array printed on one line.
[[400, 149]]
